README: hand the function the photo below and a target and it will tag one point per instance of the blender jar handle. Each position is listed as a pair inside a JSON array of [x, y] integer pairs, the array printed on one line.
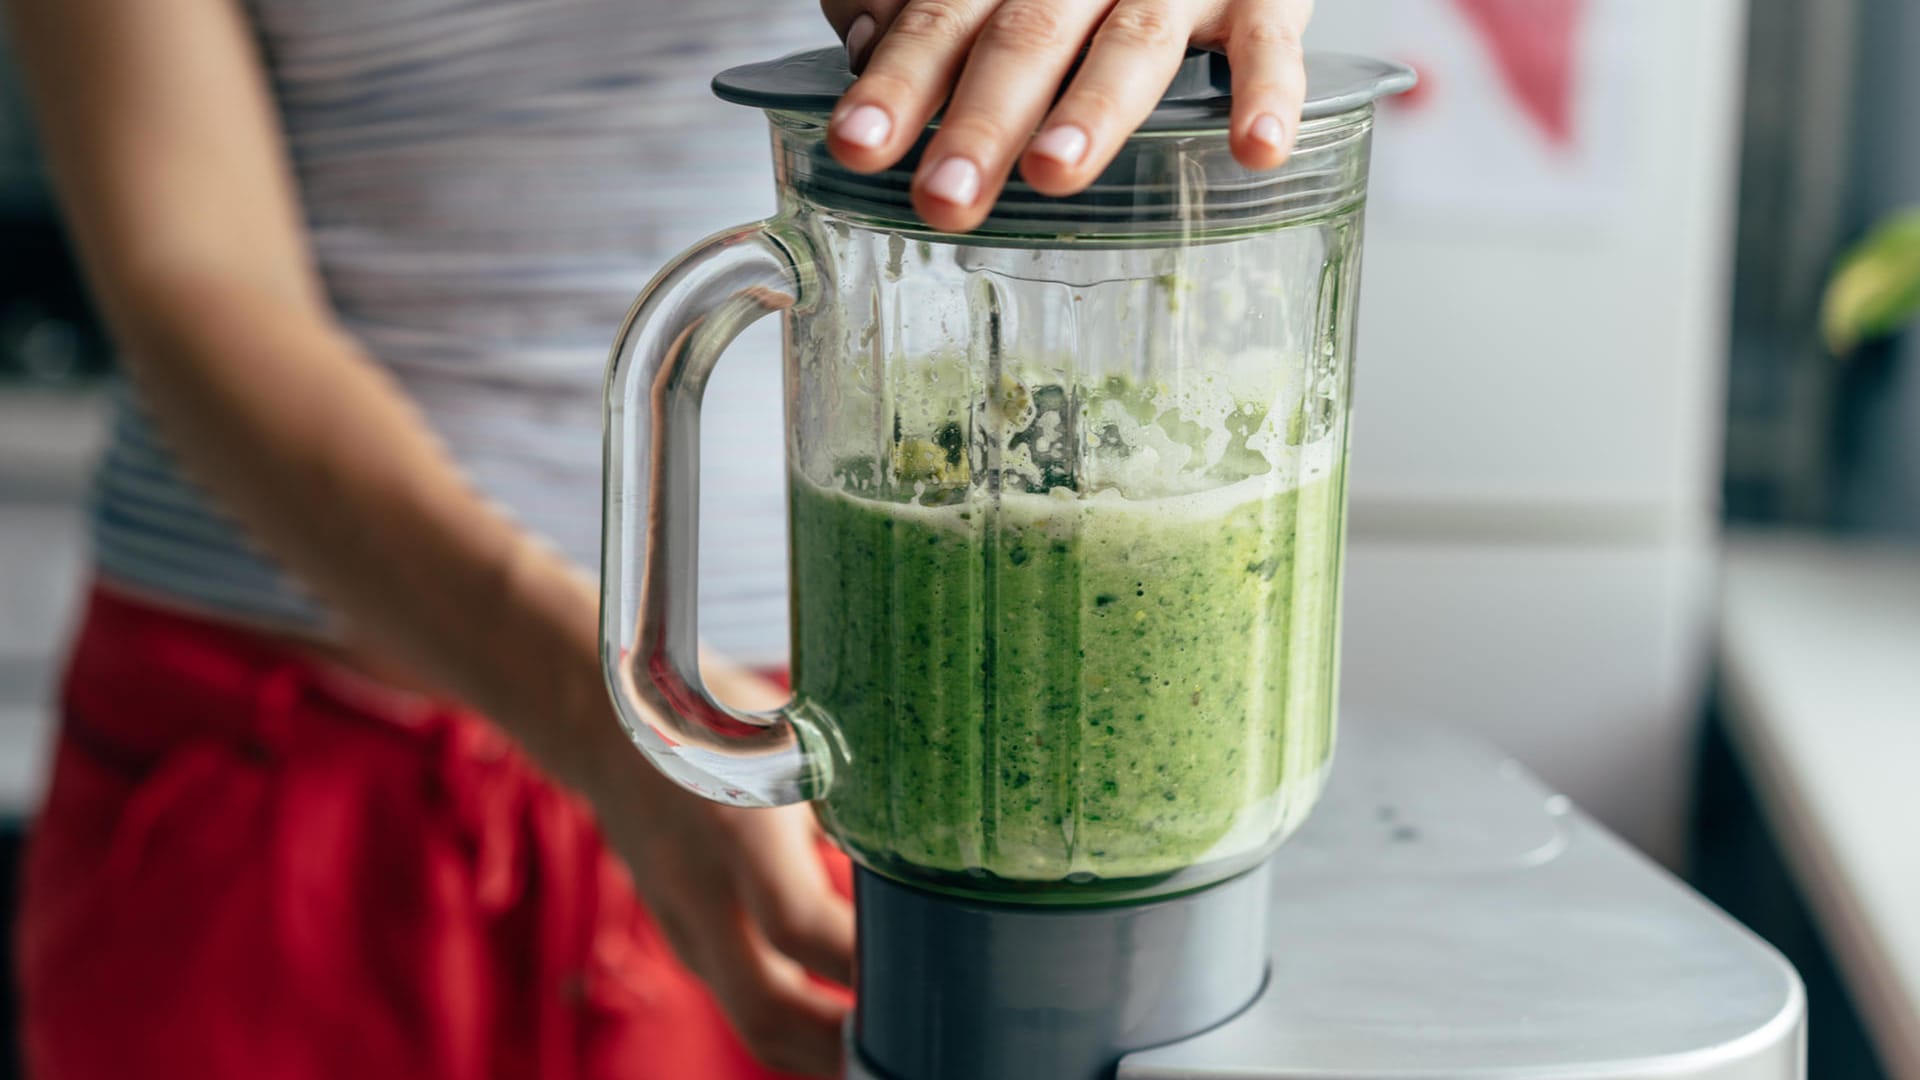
[[649, 648]]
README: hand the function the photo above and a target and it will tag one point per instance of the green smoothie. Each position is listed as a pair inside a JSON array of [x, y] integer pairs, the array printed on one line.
[[1049, 688]]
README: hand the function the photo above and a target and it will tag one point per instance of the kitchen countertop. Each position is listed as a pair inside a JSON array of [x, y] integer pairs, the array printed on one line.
[[1820, 646]]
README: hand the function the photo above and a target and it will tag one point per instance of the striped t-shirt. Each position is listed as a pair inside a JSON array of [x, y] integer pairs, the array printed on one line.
[[488, 183]]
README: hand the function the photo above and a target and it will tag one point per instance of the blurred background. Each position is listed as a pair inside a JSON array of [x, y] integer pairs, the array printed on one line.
[[1622, 503]]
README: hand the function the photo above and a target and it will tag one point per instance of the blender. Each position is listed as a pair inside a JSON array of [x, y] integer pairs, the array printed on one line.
[[1066, 499]]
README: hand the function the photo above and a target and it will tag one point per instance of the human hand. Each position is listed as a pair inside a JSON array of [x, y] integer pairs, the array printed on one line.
[[742, 897], [998, 65]]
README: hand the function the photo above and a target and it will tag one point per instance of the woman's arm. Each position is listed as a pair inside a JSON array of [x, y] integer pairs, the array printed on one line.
[[165, 146]]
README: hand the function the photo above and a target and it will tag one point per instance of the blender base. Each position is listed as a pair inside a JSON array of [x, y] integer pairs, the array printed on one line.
[[1441, 914], [953, 989]]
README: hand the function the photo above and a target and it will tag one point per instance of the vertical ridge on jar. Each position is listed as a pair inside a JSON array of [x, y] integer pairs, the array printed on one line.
[[971, 637], [1047, 318], [1317, 534], [983, 355], [895, 714]]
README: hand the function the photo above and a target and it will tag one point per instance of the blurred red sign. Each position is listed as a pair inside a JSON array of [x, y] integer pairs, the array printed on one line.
[[1532, 43]]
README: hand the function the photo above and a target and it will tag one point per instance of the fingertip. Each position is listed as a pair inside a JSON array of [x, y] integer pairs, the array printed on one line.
[[1058, 161], [950, 194], [1063, 144], [1049, 177], [1258, 157], [859, 37], [946, 217], [1263, 143], [859, 133], [855, 158]]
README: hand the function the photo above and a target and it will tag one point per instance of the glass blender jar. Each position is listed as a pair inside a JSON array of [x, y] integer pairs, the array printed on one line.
[[1067, 496]]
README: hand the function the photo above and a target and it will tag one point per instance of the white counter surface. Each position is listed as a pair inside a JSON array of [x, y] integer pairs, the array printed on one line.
[[1821, 650]]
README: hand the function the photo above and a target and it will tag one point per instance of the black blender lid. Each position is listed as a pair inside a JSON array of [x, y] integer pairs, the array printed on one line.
[[1199, 96]]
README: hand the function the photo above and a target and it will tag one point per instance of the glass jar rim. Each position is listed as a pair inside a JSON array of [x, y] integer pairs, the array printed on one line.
[[1164, 187]]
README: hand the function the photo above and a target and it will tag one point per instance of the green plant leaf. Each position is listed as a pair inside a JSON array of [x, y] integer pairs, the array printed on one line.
[[1875, 289]]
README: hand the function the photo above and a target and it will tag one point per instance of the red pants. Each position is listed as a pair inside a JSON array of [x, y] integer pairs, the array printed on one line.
[[247, 867]]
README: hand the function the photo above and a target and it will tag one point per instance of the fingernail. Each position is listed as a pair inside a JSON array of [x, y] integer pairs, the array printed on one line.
[[1266, 128], [1064, 143], [864, 125], [859, 36], [955, 180]]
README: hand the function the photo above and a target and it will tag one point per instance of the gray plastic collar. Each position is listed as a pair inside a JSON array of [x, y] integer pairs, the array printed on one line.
[[1198, 98]]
